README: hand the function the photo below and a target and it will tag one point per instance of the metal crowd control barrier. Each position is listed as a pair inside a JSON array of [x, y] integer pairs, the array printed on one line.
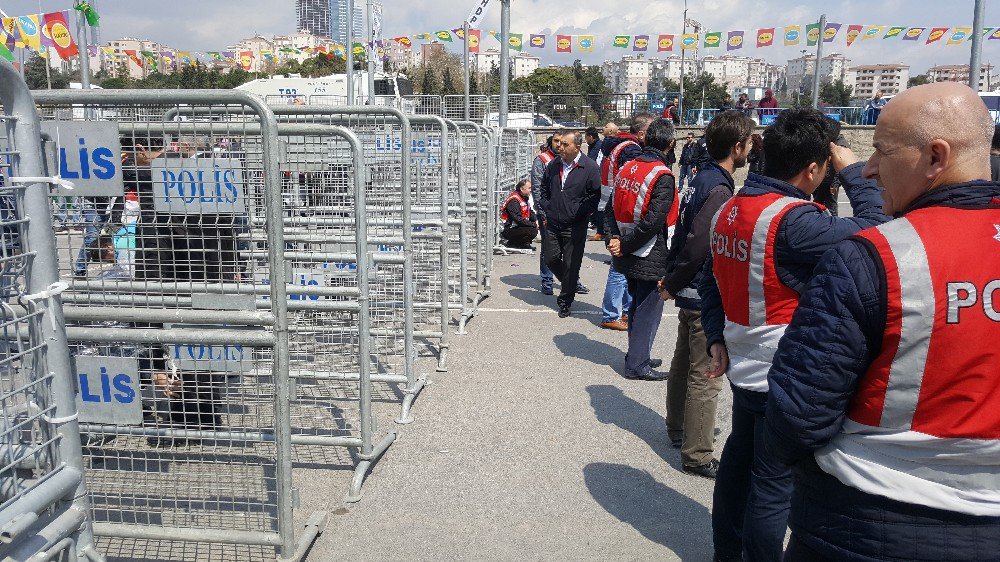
[[453, 107], [178, 273], [44, 508], [475, 211]]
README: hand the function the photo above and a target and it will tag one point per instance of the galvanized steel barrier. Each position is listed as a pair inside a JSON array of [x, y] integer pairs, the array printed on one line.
[[44, 509], [178, 275]]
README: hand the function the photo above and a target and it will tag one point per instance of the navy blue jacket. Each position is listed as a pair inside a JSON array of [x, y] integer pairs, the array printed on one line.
[[594, 149], [803, 236], [572, 203], [689, 248], [835, 334]]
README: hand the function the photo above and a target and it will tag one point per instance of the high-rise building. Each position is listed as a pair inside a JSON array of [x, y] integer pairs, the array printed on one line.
[[960, 73], [890, 79], [313, 16]]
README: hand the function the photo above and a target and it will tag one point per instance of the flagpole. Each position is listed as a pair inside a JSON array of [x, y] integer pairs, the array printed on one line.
[[819, 57], [975, 64], [680, 100], [81, 33], [370, 18], [504, 59], [465, 32], [349, 39]]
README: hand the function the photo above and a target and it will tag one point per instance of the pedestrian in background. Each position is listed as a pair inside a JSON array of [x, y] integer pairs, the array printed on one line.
[[885, 389], [571, 188], [687, 152], [691, 396], [767, 106], [638, 219], [538, 166], [766, 242], [593, 140]]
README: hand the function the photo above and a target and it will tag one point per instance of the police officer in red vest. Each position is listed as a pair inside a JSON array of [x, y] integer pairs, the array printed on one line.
[[639, 219], [765, 243], [519, 223], [885, 390]]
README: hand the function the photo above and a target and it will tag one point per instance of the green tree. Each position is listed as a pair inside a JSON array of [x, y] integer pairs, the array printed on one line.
[[836, 93], [918, 80], [699, 91], [35, 77]]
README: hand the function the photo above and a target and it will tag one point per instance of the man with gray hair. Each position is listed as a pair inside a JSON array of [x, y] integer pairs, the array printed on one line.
[[885, 389], [570, 190]]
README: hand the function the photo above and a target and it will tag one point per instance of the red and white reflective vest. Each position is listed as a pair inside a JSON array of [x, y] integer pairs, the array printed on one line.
[[525, 209], [633, 191], [924, 425], [546, 156], [757, 305], [610, 169]]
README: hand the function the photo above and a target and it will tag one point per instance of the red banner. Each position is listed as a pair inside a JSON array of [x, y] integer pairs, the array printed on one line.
[[57, 29], [134, 56], [474, 37], [564, 44], [246, 59]]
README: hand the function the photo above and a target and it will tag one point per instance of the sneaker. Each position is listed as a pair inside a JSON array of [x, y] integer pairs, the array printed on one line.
[[649, 375], [564, 311], [546, 290], [581, 289], [617, 325], [595, 238], [708, 470]]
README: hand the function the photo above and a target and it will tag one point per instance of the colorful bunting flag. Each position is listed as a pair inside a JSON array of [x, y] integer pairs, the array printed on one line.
[[689, 41], [215, 55], [734, 41], [516, 41], [585, 43], [404, 41], [894, 31], [168, 59], [45, 39], [665, 43], [621, 41], [134, 57], [853, 31], [913, 33], [185, 56], [873, 31], [460, 33], [92, 51], [107, 50], [812, 34], [475, 38], [935, 35], [564, 44], [12, 32], [246, 59], [830, 32], [58, 30], [93, 18], [31, 35], [150, 59], [765, 37], [713, 39], [793, 34], [265, 54], [995, 34], [640, 43], [423, 36], [444, 36], [358, 49], [959, 34], [5, 51], [537, 41]]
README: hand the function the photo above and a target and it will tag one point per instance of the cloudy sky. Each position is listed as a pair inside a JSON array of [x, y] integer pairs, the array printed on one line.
[[209, 25]]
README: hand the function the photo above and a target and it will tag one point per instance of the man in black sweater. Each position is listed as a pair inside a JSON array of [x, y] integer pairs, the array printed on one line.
[[570, 191]]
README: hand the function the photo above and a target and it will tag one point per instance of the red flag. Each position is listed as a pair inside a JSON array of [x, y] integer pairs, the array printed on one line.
[[935, 35], [765, 37], [474, 36], [853, 32], [246, 59], [564, 44], [404, 41], [665, 43], [134, 56], [57, 28]]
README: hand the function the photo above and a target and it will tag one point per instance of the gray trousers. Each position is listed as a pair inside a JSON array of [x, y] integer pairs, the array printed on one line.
[[691, 398]]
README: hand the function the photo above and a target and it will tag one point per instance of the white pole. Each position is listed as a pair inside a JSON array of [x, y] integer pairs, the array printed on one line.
[[975, 61]]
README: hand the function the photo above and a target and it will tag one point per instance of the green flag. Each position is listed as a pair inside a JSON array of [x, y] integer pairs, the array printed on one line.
[[5, 53], [713, 39], [812, 34], [93, 18], [622, 41], [443, 35]]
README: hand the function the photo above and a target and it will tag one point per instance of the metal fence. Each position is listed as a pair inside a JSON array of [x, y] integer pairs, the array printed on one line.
[[44, 509]]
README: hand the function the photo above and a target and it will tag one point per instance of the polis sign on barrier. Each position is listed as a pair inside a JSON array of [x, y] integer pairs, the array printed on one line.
[[109, 390], [88, 154], [198, 186]]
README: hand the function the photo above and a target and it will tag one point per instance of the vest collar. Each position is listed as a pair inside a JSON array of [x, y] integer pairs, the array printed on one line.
[[976, 194], [759, 184]]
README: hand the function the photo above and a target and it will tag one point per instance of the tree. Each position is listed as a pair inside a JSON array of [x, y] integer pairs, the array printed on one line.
[[699, 91], [35, 75], [836, 93], [918, 80]]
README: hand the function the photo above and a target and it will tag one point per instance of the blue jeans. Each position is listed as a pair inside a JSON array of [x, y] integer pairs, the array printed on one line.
[[543, 270], [93, 220], [644, 314], [685, 175], [753, 491], [617, 299]]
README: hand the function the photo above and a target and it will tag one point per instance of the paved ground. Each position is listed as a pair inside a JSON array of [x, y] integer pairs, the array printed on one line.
[[545, 452]]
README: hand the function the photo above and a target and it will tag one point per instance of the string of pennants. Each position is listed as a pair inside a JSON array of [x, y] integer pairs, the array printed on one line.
[[38, 32], [732, 40]]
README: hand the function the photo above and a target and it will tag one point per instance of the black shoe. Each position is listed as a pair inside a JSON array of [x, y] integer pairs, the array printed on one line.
[[582, 290], [546, 291], [654, 363], [649, 375], [564, 311], [708, 470]]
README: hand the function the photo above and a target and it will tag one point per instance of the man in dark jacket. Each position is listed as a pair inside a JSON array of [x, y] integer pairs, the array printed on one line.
[[692, 397], [636, 220], [520, 225], [895, 458], [761, 276], [593, 139], [571, 188], [687, 151]]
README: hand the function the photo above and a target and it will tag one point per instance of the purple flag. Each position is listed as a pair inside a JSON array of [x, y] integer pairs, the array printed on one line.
[[830, 32], [734, 41]]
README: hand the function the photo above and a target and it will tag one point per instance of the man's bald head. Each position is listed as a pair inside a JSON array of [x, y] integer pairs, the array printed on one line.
[[927, 137]]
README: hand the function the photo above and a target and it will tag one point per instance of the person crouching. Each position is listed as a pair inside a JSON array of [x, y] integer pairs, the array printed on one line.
[[520, 226]]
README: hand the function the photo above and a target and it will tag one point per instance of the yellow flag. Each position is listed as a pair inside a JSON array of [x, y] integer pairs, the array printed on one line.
[[31, 35]]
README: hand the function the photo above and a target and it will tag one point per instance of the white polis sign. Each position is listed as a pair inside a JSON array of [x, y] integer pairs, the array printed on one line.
[[198, 186]]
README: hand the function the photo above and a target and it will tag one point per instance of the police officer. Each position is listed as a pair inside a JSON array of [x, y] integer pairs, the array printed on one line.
[[885, 390], [519, 223], [765, 242]]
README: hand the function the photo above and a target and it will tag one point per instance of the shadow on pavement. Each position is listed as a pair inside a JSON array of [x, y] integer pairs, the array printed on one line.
[[522, 281], [597, 352], [659, 513], [611, 405]]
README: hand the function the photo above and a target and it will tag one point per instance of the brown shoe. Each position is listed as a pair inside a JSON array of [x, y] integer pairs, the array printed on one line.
[[615, 325], [595, 238]]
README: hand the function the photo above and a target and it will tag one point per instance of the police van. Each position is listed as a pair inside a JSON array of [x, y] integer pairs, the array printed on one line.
[[293, 89]]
